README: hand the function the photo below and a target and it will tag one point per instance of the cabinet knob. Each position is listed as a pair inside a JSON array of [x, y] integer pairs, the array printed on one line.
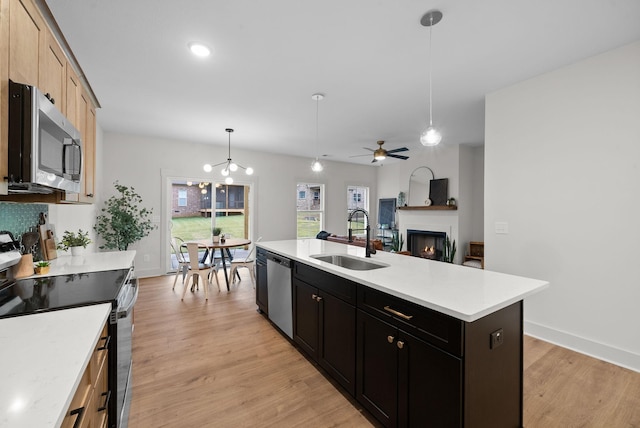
[[400, 344], [318, 299], [390, 339], [314, 296]]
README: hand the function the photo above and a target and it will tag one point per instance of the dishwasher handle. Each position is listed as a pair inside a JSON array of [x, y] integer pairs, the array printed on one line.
[[282, 261]]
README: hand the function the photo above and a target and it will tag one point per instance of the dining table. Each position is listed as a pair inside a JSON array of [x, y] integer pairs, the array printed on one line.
[[224, 246]]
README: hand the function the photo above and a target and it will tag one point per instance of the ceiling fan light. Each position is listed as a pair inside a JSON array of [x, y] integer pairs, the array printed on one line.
[[228, 180], [316, 166], [430, 137], [380, 154], [249, 171]]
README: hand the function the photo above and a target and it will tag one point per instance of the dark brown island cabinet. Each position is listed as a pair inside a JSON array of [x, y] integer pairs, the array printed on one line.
[[408, 365]]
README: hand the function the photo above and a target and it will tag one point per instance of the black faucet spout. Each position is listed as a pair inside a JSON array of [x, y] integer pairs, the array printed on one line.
[[368, 249]]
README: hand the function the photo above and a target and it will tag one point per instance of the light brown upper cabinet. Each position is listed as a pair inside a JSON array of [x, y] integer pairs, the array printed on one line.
[[27, 37], [33, 54], [53, 71]]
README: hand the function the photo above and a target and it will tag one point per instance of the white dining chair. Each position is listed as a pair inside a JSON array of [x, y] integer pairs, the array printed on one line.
[[201, 271], [183, 261], [248, 262]]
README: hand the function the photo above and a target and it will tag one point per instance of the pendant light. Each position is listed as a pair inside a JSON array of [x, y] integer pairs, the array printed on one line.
[[316, 166], [229, 165], [431, 136]]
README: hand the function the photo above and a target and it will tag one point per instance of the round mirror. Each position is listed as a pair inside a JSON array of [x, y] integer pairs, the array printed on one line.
[[419, 186]]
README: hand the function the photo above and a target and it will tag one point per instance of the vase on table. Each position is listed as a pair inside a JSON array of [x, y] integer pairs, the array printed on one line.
[[77, 251]]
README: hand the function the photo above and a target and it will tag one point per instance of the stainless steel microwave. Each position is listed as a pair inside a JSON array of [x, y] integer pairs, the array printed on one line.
[[45, 149]]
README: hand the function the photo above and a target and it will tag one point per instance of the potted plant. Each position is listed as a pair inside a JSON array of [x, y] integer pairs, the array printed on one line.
[[449, 250], [397, 242], [42, 267], [123, 221], [77, 242], [216, 234]]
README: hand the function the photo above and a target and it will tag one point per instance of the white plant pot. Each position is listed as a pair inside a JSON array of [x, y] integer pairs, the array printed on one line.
[[78, 251], [216, 238]]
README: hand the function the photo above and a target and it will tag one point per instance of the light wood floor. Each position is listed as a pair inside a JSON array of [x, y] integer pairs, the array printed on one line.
[[221, 364]]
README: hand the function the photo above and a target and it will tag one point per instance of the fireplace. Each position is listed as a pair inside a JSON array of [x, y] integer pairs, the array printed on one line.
[[426, 243]]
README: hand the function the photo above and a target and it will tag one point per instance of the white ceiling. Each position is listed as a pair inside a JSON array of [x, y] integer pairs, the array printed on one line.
[[369, 58]]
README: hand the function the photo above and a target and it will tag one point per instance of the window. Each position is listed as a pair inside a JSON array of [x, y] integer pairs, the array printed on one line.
[[310, 209], [182, 198], [358, 197]]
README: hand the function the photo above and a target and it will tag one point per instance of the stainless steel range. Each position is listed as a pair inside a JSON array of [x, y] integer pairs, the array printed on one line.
[[118, 287]]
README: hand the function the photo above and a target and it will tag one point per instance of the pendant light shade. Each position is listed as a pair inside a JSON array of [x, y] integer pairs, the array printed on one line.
[[431, 136], [316, 165]]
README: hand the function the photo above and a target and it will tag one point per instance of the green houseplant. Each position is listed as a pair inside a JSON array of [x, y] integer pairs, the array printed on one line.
[[42, 267], [397, 242], [216, 234], [449, 250], [123, 221], [74, 241]]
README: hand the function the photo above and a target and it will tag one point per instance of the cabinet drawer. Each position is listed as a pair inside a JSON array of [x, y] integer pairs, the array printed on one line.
[[78, 410], [99, 354], [441, 330], [333, 284]]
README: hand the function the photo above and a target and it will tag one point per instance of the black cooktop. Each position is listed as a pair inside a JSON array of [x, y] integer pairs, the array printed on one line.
[[33, 295]]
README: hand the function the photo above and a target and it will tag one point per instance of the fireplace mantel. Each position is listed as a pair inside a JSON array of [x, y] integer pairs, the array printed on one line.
[[431, 208]]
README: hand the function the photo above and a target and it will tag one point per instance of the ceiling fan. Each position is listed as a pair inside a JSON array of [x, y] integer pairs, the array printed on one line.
[[381, 154]]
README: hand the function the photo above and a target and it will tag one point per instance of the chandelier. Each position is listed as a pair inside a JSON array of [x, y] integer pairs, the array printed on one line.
[[229, 165]]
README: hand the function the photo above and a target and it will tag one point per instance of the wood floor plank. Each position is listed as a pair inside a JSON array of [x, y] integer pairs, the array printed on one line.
[[221, 364]]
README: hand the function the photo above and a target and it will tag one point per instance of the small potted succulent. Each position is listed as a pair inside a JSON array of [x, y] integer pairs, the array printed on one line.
[[42, 267], [76, 241], [216, 234]]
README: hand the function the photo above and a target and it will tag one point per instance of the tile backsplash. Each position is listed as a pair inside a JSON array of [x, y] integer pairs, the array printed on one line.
[[21, 218]]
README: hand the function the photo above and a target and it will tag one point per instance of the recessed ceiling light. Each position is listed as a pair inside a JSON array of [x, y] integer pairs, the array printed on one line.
[[198, 49]]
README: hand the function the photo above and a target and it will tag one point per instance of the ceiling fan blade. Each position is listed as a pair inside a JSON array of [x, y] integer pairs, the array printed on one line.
[[401, 149], [398, 156], [371, 150], [374, 161], [357, 156]]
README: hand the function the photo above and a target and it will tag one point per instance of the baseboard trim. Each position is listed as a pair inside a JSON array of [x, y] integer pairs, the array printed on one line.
[[588, 347]]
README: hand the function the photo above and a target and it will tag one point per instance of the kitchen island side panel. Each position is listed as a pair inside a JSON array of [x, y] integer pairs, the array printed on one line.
[[493, 371]]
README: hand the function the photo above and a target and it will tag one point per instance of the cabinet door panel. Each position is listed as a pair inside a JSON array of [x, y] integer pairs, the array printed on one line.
[[262, 296], [305, 326], [337, 348], [27, 38], [430, 385], [377, 365]]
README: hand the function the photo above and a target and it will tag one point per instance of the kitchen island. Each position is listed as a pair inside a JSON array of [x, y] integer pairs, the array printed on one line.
[[417, 342]]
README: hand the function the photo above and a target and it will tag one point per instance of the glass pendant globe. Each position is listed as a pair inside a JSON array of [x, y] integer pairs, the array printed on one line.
[[430, 137], [233, 167], [316, 166], [228, 180], [224, 172], [207, 167], [249, 170]]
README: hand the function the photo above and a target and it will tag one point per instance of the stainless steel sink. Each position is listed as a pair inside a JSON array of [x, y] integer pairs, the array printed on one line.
[[349, 262]]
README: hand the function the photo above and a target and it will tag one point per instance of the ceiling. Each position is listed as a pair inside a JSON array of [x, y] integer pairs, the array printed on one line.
[[369, 58]]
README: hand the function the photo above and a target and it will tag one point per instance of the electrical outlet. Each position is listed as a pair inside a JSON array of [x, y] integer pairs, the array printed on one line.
[[497, 338]]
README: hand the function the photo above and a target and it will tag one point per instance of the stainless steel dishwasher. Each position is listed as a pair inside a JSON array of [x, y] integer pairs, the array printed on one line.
[[279, 292]]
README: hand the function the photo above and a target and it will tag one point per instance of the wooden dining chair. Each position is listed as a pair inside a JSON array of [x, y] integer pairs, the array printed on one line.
[[248, 262], [200, 272]]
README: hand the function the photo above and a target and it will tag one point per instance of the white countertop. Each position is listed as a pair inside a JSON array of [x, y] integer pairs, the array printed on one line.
[[462, 292], [90, 262], [42, 361]]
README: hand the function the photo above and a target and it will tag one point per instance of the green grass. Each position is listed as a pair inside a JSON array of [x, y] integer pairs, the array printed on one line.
[[190, 228]]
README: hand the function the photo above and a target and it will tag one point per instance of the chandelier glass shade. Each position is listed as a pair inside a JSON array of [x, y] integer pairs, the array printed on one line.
[[229, 165]]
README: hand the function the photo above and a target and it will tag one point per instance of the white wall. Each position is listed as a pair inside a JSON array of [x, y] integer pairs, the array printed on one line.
[[142, 162], [562, 168]]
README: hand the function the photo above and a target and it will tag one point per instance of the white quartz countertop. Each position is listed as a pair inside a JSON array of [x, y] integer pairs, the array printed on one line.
[[90, 262], [42, 359], [459, 291]]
